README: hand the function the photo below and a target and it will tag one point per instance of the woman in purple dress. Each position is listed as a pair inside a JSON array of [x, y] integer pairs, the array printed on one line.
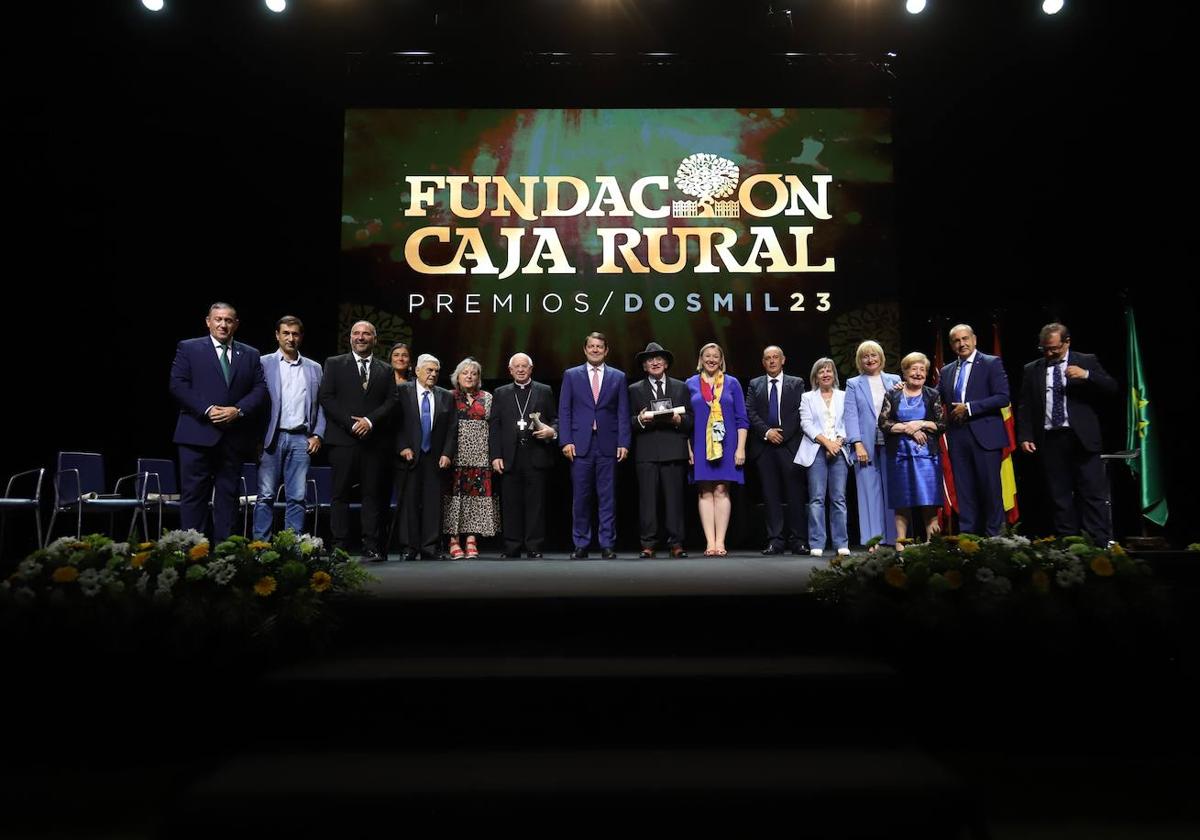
[[715, 452]]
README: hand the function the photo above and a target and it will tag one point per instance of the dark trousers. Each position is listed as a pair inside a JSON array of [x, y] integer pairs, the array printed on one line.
[[201, 469], [977, 485], [1078, 487], [367, 467], [400, 474], [523, 506], [660, 479], [783, 481], [423, 506]]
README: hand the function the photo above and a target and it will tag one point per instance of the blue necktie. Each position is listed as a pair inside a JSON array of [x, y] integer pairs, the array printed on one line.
[[426, 423], [1058, 408], [773, 403], [961, 385]]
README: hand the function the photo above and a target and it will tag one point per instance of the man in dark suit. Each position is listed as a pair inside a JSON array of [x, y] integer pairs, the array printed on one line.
[[593, 416], [1061, 397], [773, 408], [427, 441], [975, 388], [218, 384], [357, 396], [660, 455], [523, 456]]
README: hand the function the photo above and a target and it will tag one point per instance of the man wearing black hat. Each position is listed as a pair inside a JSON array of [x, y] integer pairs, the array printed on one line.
[[662, 423]]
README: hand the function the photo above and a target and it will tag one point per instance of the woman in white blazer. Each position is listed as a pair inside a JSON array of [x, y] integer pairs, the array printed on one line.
[[826, 455]]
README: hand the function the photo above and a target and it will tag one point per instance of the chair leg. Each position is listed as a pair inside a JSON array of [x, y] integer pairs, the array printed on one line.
[[37, 518]]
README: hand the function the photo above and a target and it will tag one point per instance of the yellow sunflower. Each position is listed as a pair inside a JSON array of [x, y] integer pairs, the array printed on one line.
[[1102, 566], [320, 582], [65, 574], [265, 586], [198, 552], [259, 545], [138, 560]]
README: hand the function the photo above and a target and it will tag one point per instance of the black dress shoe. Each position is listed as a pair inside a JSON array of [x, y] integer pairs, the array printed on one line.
[[771, 550], [580, 554], [677, 552], [647, 554], [408, 556], [800, 548], [534, 555], [373, 557], [608, 554]]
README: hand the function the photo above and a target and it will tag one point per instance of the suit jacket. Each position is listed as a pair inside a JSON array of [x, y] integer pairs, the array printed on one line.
[[861, 419], [1084, 398], [197, 383], [661, 440], [812, 409], [342, 397], [987, 394], [314, 414], [577, 411], [503, 434], [758, 401], [443, 435]]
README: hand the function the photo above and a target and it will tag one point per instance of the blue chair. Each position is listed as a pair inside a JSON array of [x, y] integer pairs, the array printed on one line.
[[158, 485], [249, 495], [79, 486], [320, 480], [310, 501], [34, 503]]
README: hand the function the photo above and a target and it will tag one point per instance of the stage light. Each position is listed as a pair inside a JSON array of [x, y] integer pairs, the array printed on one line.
[[1052, 7], [276, 6], [915, 7], [153, 5]]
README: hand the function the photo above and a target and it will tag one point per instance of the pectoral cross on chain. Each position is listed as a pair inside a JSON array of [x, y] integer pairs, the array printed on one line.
[[521, 424]]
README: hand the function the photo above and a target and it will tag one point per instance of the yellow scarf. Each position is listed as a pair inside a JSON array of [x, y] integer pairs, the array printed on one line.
[[713, 448]]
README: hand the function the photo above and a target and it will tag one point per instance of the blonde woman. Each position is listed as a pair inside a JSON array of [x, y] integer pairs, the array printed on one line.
[[864, 400], [469, 509], [825, 453], [717, 449]]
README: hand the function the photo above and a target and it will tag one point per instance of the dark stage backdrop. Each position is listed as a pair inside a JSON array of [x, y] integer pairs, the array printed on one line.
[[487, 231]]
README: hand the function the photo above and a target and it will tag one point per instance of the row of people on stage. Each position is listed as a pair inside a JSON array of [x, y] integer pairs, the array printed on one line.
[[466, 464]]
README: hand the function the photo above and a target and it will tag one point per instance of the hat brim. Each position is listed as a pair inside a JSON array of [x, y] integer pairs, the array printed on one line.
[[666, 354]]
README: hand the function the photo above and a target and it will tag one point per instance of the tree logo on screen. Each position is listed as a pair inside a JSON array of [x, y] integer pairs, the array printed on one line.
[[708, 178]]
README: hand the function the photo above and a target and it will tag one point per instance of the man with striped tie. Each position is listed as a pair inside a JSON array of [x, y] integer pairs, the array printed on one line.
[[358, 395]]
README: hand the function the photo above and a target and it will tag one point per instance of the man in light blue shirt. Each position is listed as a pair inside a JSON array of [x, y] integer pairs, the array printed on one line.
[[295, 428]]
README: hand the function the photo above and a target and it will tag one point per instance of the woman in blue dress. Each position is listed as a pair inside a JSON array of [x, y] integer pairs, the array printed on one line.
[[912, 418], [717, 449]]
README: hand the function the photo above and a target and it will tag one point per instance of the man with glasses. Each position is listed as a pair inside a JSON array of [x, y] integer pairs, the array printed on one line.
[[1062, 394]]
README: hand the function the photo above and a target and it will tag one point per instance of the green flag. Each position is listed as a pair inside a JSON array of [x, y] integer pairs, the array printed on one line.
[[1142, 434]]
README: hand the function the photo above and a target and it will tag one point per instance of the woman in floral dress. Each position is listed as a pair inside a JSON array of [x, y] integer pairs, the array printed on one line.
[[469, 510]]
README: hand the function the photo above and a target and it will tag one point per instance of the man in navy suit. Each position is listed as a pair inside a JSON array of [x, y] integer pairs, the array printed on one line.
[[219, 387], [773, 406], [976, 389], [295, 428], [1061, 396], [594, 430]]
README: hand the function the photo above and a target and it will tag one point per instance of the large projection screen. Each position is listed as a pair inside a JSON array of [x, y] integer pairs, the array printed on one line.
[[481, 232]]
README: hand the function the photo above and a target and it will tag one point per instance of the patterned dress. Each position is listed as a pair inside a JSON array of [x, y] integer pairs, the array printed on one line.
[[468, 506]]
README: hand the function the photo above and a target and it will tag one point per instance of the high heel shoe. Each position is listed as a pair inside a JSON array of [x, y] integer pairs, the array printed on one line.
[[456, 552], [472, 548]]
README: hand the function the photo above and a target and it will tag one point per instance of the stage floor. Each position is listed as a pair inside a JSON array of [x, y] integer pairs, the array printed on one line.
[[557, 576]]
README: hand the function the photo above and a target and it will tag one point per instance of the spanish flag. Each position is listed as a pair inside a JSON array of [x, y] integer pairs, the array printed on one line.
[[1008, 479]]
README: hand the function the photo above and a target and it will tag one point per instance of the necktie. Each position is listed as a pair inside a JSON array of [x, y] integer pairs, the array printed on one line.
[[773, 402], [596, 384], [225, 370], [363, 368], [1058, 407], [659, 386], [960, 386], [426, 423]]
